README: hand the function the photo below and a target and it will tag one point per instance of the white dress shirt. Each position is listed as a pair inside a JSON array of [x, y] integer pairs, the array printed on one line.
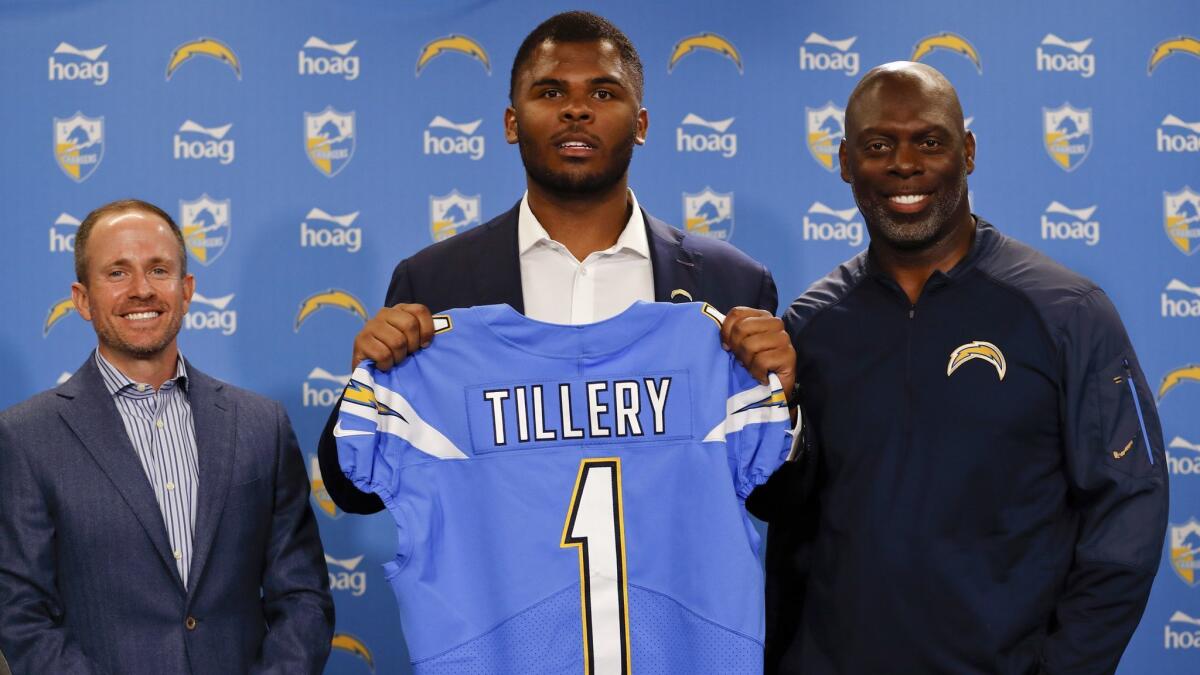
[[557, 288]]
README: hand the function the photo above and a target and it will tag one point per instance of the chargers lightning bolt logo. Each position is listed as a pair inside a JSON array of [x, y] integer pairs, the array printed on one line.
[[345, 642], [707, 41], [984, 351], [57, 311], [1184, 44], [213, 49], [331, 298], [950, 42], [453, 43], [1188, 373]]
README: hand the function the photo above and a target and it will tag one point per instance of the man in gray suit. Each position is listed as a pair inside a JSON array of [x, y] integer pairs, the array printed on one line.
[[153, 519]]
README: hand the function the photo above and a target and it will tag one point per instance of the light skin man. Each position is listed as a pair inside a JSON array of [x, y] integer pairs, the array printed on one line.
[[153, 519]]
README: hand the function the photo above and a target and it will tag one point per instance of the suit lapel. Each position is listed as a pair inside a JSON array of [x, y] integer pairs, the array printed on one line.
[[93, 417], [213, 415], [496, 263], [676, 269]]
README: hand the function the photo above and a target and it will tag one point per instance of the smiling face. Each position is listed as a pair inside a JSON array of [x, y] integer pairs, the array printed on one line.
[[135, 292], [575, 117], [907, 157]]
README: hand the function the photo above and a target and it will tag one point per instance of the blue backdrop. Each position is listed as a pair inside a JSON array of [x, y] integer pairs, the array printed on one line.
[[307, 146]]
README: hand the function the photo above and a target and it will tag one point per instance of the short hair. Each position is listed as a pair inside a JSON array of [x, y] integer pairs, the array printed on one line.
[[579, 26], [121, 206]]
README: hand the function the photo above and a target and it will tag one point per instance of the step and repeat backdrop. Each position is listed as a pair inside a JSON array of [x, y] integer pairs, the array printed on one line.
[[306, 147]]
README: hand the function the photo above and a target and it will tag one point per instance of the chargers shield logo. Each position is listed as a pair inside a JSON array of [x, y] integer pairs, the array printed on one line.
[[1185, 550], [1068, 135], [329, 140], [1181, 218], [206, 228], [79, 145], [452, 213], [709, 213], [826, 127]]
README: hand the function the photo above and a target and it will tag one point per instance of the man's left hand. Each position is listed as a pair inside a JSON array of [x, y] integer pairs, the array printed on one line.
[[757, 338]]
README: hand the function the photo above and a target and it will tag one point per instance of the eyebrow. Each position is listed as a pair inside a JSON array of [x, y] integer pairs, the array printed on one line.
[[919, 131], [555, 82]]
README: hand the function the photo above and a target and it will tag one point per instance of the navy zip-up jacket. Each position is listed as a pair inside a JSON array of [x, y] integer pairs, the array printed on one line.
[[988, 495]]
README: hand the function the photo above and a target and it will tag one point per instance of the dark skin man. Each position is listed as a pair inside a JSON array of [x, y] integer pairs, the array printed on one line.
[[906, 155], [576, 116]]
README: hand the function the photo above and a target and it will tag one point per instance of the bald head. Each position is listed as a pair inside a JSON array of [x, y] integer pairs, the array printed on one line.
[[901, 80]]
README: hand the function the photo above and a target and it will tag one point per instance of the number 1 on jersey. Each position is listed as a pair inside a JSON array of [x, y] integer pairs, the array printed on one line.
[[596, 526]]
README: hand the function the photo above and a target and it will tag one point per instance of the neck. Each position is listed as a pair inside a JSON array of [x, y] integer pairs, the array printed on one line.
[[152, 370], [912, 268], [583, 223]]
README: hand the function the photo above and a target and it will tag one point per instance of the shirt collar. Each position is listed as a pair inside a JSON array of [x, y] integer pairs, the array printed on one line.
[[119, 385], [633, 238], [983, 241]]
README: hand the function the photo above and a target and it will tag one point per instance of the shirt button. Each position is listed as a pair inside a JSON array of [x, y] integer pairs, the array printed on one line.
[[583, 272], [158, 423], [141, 387], [190, 623], [170, 486], [177, 554]]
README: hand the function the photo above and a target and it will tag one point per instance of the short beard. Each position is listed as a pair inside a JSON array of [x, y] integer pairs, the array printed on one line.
[[577, 184], [112, 339], [914, 235]]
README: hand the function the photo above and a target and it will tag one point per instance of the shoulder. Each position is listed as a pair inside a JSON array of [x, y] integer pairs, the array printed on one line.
[[707, 247], [1055, 292], [34, 411], [461, 245], [825, 293], [248, 402]]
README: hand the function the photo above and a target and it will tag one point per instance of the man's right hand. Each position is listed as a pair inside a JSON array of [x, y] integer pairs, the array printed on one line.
[[392, 334]]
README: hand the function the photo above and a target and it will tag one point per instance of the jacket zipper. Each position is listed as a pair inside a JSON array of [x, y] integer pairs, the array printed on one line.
[[1137, 406]]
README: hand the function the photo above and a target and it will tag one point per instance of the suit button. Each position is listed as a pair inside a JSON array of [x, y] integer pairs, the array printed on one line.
[[190, 623]]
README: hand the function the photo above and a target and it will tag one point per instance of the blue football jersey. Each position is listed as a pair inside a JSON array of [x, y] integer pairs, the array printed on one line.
[[569, 499]]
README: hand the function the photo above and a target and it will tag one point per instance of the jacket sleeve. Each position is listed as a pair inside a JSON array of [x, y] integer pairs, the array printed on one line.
[[343, 493], [1116, 474], [32, 635], [768, 296], [295, 585]]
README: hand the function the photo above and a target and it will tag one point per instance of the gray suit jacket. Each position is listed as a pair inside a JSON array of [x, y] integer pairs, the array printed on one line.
[[87, 580]]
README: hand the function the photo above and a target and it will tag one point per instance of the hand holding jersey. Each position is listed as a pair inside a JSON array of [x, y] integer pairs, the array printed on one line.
[[392, 334], [633, 441]]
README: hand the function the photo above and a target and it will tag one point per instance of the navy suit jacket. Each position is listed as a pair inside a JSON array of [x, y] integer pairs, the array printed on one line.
[[87, 580], [482, 266]]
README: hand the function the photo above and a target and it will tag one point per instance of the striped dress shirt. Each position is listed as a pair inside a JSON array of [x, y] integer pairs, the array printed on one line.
[[159, 424]]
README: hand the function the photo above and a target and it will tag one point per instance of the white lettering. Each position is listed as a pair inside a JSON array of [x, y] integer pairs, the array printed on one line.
[[62, 243], [222, 150], [1177, 142], [1183, 466], [628, 404], [1184, 307], [472, 146], [726, 144], [657, 391], [96, 71], [851, 233], [349, 238], [318, 397], [346, 66], [846, 62], [596, 408], [223, 320], [1084, 64], [1088, 232], [1180, 639], [497, 396]]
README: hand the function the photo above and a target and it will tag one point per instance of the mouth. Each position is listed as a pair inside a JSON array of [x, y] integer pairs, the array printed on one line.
[[576, 145], [144, 315], [909, 203]]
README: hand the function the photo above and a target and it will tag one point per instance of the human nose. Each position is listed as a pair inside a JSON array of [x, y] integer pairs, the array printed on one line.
[[906, 161], [141, 285], [576, 109]]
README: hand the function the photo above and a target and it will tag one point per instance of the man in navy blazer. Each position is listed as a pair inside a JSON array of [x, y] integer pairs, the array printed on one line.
[[153, 519], [576, 115]]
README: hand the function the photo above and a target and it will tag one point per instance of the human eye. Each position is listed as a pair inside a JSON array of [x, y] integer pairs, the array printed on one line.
[[603, 94]]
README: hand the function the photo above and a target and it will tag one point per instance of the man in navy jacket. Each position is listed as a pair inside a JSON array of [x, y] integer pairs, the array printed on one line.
[[988, 492]]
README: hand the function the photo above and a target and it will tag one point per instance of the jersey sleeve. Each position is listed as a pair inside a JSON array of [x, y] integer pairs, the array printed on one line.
[[754, 429], [378, 430]]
